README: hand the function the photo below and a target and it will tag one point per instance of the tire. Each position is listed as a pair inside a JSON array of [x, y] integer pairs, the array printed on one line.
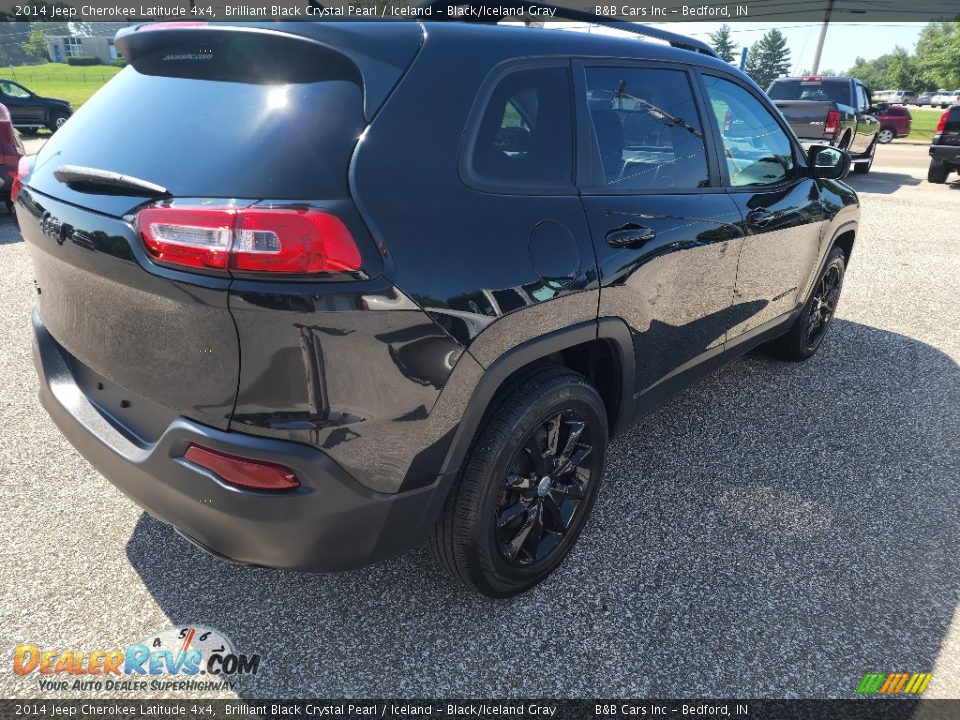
[[805, 336], [487, 535], [862, 167], [886, 135], [56, 122], [938, 171]]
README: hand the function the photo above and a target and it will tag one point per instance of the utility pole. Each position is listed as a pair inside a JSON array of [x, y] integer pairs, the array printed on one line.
[[823, 36]]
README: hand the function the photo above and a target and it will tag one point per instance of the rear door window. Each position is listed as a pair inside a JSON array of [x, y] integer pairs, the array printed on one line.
[[524, 138], [647, 130]]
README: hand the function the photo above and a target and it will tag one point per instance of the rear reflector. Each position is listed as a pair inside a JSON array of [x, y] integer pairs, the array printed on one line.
[[832, 123], [249, 240], [243, 472]]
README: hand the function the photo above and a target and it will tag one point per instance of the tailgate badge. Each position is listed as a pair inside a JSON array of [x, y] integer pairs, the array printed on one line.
[[53, 228]]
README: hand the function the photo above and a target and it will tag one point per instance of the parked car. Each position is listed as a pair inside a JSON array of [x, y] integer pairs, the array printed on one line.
[[834, 111], [951, 98], [324, 370], [945, 147], [30, 111], [900, 97], [940, 98], [925, 99], [895, 122], [11, 150]]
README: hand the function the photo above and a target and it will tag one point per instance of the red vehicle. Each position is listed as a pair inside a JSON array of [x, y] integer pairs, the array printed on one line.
[[894, 122], [11, 150]]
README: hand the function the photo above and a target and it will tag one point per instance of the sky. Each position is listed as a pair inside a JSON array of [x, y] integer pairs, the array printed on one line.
[[845, 41]]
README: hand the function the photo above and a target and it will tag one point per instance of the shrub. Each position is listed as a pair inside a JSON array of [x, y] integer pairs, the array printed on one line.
[[83, 60], [120, 62]]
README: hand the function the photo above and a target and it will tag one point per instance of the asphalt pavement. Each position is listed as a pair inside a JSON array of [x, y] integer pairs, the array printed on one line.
[[778, 530]]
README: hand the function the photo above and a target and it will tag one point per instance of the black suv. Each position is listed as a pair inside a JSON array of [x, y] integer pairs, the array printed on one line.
[[324, 292], [945, 147]]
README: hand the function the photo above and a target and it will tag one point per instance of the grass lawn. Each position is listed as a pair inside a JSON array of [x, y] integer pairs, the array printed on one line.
[[61, 81], [924, 123]]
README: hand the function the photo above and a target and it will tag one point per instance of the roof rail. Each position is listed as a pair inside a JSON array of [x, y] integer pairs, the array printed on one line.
[[562, 13]]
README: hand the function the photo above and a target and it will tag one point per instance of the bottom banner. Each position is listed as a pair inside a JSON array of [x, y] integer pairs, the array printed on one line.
[[495, 708]]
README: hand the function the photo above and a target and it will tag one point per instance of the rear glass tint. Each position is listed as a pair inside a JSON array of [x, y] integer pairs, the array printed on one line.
[[525, 136], [198, 134]]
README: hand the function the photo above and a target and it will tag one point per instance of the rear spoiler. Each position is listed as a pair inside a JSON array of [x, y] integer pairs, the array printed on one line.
[[563, 13], [379, 52]]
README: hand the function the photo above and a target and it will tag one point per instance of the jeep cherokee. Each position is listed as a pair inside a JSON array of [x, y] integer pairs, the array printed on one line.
[[315, 294]]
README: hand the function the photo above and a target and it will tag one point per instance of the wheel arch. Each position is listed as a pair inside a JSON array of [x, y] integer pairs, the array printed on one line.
[[844, 238], [600, 350]]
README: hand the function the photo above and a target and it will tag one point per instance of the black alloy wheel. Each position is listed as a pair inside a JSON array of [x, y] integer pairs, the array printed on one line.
[[823, 304], [544, 490], [528, 485], [806, 334]]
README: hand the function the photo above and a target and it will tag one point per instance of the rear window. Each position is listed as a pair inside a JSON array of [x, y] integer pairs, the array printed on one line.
[[208, 133], [524, 138], [837, 91]]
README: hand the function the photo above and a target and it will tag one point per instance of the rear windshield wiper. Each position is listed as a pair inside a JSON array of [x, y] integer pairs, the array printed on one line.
[[78, 176]]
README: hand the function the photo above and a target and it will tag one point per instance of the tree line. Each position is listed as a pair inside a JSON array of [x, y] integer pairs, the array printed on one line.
[[934, 64]]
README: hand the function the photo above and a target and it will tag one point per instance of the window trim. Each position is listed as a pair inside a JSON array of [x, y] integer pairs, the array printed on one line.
[[589, 153], [498, 186], [799, 154]]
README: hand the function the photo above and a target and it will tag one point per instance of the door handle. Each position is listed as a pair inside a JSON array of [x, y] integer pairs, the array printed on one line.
[[759, 217], [630, 236]]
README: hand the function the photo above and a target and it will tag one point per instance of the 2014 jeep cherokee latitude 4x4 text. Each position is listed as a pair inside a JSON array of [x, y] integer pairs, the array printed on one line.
[[324, 292]]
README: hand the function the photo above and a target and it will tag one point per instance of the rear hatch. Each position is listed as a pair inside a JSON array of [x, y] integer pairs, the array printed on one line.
[[216, 122]]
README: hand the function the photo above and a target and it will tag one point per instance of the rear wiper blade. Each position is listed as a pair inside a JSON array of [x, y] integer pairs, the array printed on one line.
[[80, 176]]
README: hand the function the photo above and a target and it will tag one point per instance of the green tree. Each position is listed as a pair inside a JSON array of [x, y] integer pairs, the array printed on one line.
[[769, 58], [36, 46], [723, 43], [938, 55], [893, 71]]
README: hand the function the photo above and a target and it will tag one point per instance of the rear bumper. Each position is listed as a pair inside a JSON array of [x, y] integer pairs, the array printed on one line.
[[331, 522], [946, 153]]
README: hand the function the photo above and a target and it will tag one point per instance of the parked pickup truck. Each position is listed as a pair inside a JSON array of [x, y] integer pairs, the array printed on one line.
[[830, 111]]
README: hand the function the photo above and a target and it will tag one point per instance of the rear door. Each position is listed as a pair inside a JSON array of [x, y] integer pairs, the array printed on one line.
[[783, 217], [218, 119], [666, 235]]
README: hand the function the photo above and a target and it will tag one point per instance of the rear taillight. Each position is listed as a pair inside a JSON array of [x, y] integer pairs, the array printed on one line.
[[24, 168], [832, 123], [243, 472], [276, 240], [942, 124]]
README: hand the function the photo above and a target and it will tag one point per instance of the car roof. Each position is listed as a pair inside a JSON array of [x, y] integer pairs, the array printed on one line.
[[512, 40]]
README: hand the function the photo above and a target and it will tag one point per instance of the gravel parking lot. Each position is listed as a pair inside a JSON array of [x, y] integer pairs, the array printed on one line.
[[777, 531]]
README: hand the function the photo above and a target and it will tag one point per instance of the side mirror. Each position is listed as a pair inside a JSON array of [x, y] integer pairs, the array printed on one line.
[[828, 163]]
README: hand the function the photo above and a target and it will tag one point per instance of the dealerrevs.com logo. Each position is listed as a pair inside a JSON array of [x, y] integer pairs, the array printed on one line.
[[191, 658]]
